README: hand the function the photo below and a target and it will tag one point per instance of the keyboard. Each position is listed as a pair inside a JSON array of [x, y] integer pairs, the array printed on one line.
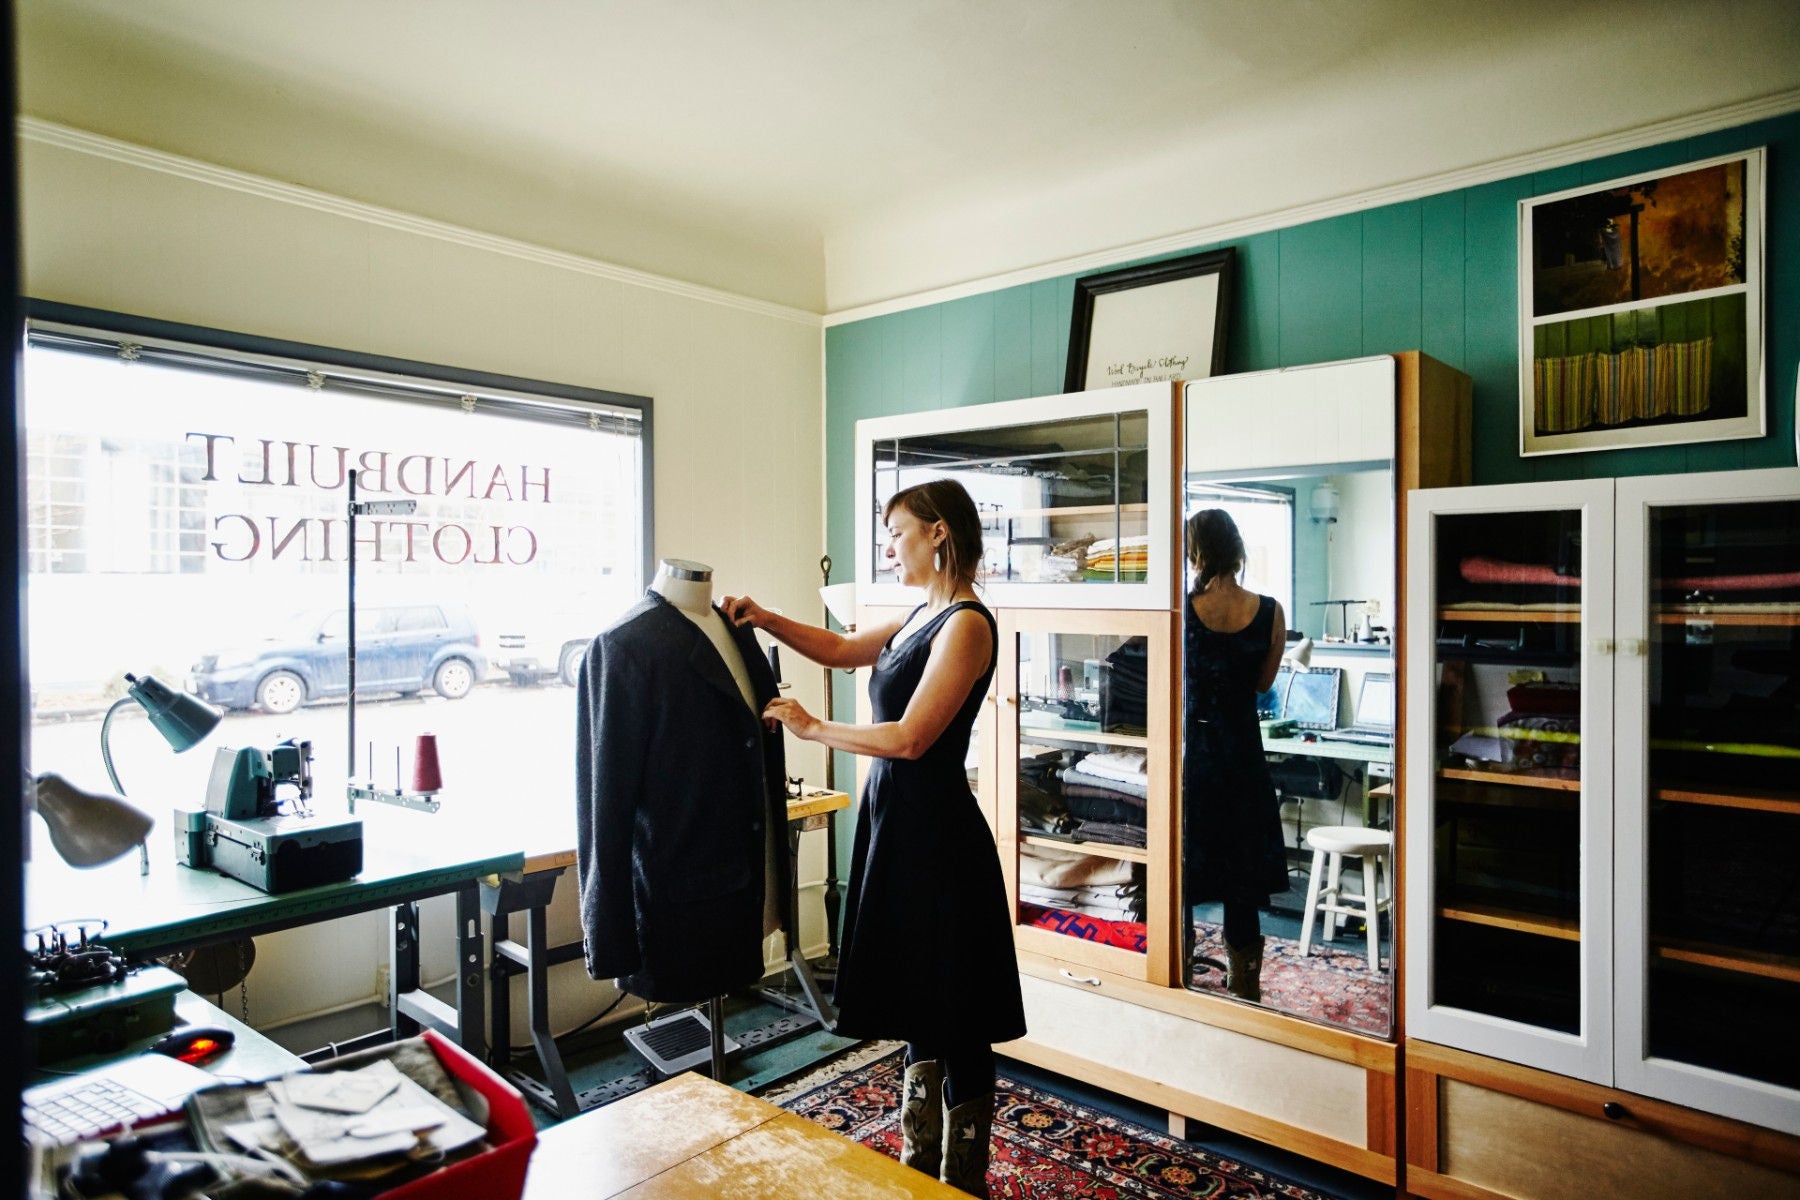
[[1356, 737], [118, 1096]]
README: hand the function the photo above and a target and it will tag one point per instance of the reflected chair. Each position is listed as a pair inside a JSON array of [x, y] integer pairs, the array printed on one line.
[[1325, 893]]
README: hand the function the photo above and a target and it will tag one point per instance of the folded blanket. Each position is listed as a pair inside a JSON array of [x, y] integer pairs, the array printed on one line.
[[1128, 935]]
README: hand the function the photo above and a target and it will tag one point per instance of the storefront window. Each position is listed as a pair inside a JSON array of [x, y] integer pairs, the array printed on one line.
[[187, 515]]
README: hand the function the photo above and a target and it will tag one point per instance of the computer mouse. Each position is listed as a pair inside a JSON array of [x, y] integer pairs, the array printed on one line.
[[195, 1043]]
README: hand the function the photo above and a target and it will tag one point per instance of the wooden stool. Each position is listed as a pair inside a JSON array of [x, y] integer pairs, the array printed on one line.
[[1330, 845]]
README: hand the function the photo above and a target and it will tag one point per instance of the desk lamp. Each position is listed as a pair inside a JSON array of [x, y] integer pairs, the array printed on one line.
[[89, 828], [183, 720], [1298, 655]]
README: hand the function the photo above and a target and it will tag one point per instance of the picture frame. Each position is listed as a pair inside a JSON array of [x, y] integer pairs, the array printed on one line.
[[1641, 309], [1145, 324]]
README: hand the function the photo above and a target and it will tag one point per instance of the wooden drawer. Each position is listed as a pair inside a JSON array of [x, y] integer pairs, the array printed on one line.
[[1478, 1129], [1323, 1107]]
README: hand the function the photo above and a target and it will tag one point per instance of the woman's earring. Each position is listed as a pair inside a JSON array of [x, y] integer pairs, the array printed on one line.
[[937, 561]]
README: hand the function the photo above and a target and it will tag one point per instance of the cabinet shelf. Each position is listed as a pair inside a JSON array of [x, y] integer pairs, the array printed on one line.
[[1499, 916], [1750, 798], [1528, 616], [1521, 779], [1136, 854], [1730, 958], [1753, 619], [1096, 737], [1073, 510]]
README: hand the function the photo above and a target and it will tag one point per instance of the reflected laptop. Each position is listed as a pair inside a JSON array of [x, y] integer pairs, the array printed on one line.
[[1374, 717]]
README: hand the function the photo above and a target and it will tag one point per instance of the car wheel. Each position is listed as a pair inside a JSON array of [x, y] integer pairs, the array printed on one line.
[[569, 670], [280, 692], [453, 679]]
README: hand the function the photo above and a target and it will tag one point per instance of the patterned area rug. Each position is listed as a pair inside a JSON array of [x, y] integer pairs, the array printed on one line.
[[1044, 1146], [1330, 984]]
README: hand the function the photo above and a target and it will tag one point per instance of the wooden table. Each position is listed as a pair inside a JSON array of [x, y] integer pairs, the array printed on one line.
[[690, 1138]]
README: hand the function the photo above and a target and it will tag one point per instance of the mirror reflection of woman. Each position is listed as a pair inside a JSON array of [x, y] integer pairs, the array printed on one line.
[[1232, 853]]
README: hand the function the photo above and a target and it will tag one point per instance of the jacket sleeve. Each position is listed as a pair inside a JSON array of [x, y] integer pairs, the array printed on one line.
[[609, 773]]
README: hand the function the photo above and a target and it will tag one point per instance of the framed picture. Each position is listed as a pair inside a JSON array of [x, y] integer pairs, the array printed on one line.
[[1641, 310], [1163, 320]]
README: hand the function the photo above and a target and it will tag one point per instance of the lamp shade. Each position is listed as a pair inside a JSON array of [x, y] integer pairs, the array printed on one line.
[[183, 720], [1298, 655], [88, 828], [840, 602]]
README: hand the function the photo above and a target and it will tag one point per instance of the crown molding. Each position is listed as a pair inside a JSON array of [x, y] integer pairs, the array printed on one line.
[[1710, 121], [67, 137]]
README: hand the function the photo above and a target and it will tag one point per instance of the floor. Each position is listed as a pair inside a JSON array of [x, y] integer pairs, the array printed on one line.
[[601, 1057]]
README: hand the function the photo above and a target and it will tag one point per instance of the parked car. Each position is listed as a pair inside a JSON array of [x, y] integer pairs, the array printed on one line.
[[533, 656], [402, 648]]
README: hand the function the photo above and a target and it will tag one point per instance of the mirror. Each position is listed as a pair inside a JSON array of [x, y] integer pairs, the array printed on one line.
[[1287, 815]]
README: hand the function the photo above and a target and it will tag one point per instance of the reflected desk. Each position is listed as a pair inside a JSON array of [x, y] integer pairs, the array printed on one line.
[[404, 861], [689, 1137], [1375, 760]]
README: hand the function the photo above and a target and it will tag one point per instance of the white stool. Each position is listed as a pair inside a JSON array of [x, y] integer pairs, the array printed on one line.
[[1330, 845]]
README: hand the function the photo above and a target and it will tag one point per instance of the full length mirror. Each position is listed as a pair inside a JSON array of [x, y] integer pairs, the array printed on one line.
[[1287, 727]]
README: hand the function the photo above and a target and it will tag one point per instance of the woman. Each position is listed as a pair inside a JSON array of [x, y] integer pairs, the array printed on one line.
[[926, 953], [1232, 640]]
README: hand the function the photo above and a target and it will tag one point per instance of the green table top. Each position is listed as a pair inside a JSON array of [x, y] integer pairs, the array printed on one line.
[[406, 856]]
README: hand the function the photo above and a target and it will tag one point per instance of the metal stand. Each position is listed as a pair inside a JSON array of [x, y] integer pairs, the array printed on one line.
[[423, 801], [833, 897]]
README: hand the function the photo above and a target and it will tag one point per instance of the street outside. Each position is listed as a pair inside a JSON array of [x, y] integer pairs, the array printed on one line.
[[498, 742]]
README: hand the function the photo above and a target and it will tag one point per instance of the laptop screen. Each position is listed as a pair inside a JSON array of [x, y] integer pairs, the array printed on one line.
[[1375, 703]]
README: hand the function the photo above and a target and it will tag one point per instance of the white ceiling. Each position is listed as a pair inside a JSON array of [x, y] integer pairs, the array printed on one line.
[[829, 154]]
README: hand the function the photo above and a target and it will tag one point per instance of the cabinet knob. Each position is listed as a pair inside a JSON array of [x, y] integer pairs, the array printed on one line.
[[1614, 1111], [1602, 646], [1090, 980]]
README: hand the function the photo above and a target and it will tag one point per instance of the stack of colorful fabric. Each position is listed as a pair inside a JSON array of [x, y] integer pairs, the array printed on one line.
[[1129, 557]]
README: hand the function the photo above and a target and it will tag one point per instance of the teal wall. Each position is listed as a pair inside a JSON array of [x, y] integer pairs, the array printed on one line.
[[1437, 275]]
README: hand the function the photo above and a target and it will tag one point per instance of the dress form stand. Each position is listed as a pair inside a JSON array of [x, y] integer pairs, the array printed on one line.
[[687, 586]]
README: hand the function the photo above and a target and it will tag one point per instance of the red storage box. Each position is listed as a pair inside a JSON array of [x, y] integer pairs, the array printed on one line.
[[497, 1174]]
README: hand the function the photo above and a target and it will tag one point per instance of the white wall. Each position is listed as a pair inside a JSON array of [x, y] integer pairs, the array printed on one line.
[[736, 386]]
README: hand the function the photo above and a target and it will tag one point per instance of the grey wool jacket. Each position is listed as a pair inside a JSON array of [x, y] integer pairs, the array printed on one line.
[[677, 781]]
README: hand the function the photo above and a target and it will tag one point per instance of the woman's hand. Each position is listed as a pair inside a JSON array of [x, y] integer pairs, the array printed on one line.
[[744, 611], [799, 722]]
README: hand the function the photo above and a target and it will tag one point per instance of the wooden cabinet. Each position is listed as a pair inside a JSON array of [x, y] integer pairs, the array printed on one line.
[[1076, 495], [1602, 784]]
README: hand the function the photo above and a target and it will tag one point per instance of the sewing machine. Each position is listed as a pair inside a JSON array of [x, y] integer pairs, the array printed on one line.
[[251, 832]]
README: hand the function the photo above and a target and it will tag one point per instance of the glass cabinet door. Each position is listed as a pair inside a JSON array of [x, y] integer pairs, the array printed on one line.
[[1508, 781], [1082, 776], [1073, 493], [1709, 798]]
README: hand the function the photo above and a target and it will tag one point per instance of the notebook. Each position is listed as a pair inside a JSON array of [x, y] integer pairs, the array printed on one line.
[[1373, 719], [119, 1095]]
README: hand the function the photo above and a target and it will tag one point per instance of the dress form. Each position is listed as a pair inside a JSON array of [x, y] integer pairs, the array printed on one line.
[[687, 586]]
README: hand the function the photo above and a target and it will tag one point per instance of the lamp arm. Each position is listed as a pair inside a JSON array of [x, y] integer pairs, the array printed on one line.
[[106, 742]]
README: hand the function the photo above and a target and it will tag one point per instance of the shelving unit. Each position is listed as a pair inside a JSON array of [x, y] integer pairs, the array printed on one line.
[[1635, 883]]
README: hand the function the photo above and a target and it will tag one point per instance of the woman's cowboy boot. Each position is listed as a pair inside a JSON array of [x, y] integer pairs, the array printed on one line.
[[922, 1117], [1243, 970], [968, 1131]]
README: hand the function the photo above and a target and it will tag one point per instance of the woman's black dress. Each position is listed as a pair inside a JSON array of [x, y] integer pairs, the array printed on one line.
[[1230, 821], [926, 953]]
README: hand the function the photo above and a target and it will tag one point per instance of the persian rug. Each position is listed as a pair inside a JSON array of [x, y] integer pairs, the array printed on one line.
[[1331, 983], [1044, 1145]]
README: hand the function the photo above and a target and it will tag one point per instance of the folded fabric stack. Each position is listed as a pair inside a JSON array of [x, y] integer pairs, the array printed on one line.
[[1127, 686], [1130, 557], [1064, 561], [1107, 793], [1112, 902], [1127, 935], [1053, 867]]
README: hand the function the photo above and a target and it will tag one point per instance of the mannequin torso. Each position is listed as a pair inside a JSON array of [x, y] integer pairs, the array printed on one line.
[[688, 587]]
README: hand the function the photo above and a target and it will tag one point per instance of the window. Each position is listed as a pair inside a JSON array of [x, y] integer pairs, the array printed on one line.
[[188, 515], [1264, 515]]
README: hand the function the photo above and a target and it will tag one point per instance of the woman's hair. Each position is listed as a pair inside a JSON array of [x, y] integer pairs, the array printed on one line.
[[945, 500], [1214, 544]]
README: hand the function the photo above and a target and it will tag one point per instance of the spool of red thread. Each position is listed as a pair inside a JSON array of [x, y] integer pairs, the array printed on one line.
[[427, 776]]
